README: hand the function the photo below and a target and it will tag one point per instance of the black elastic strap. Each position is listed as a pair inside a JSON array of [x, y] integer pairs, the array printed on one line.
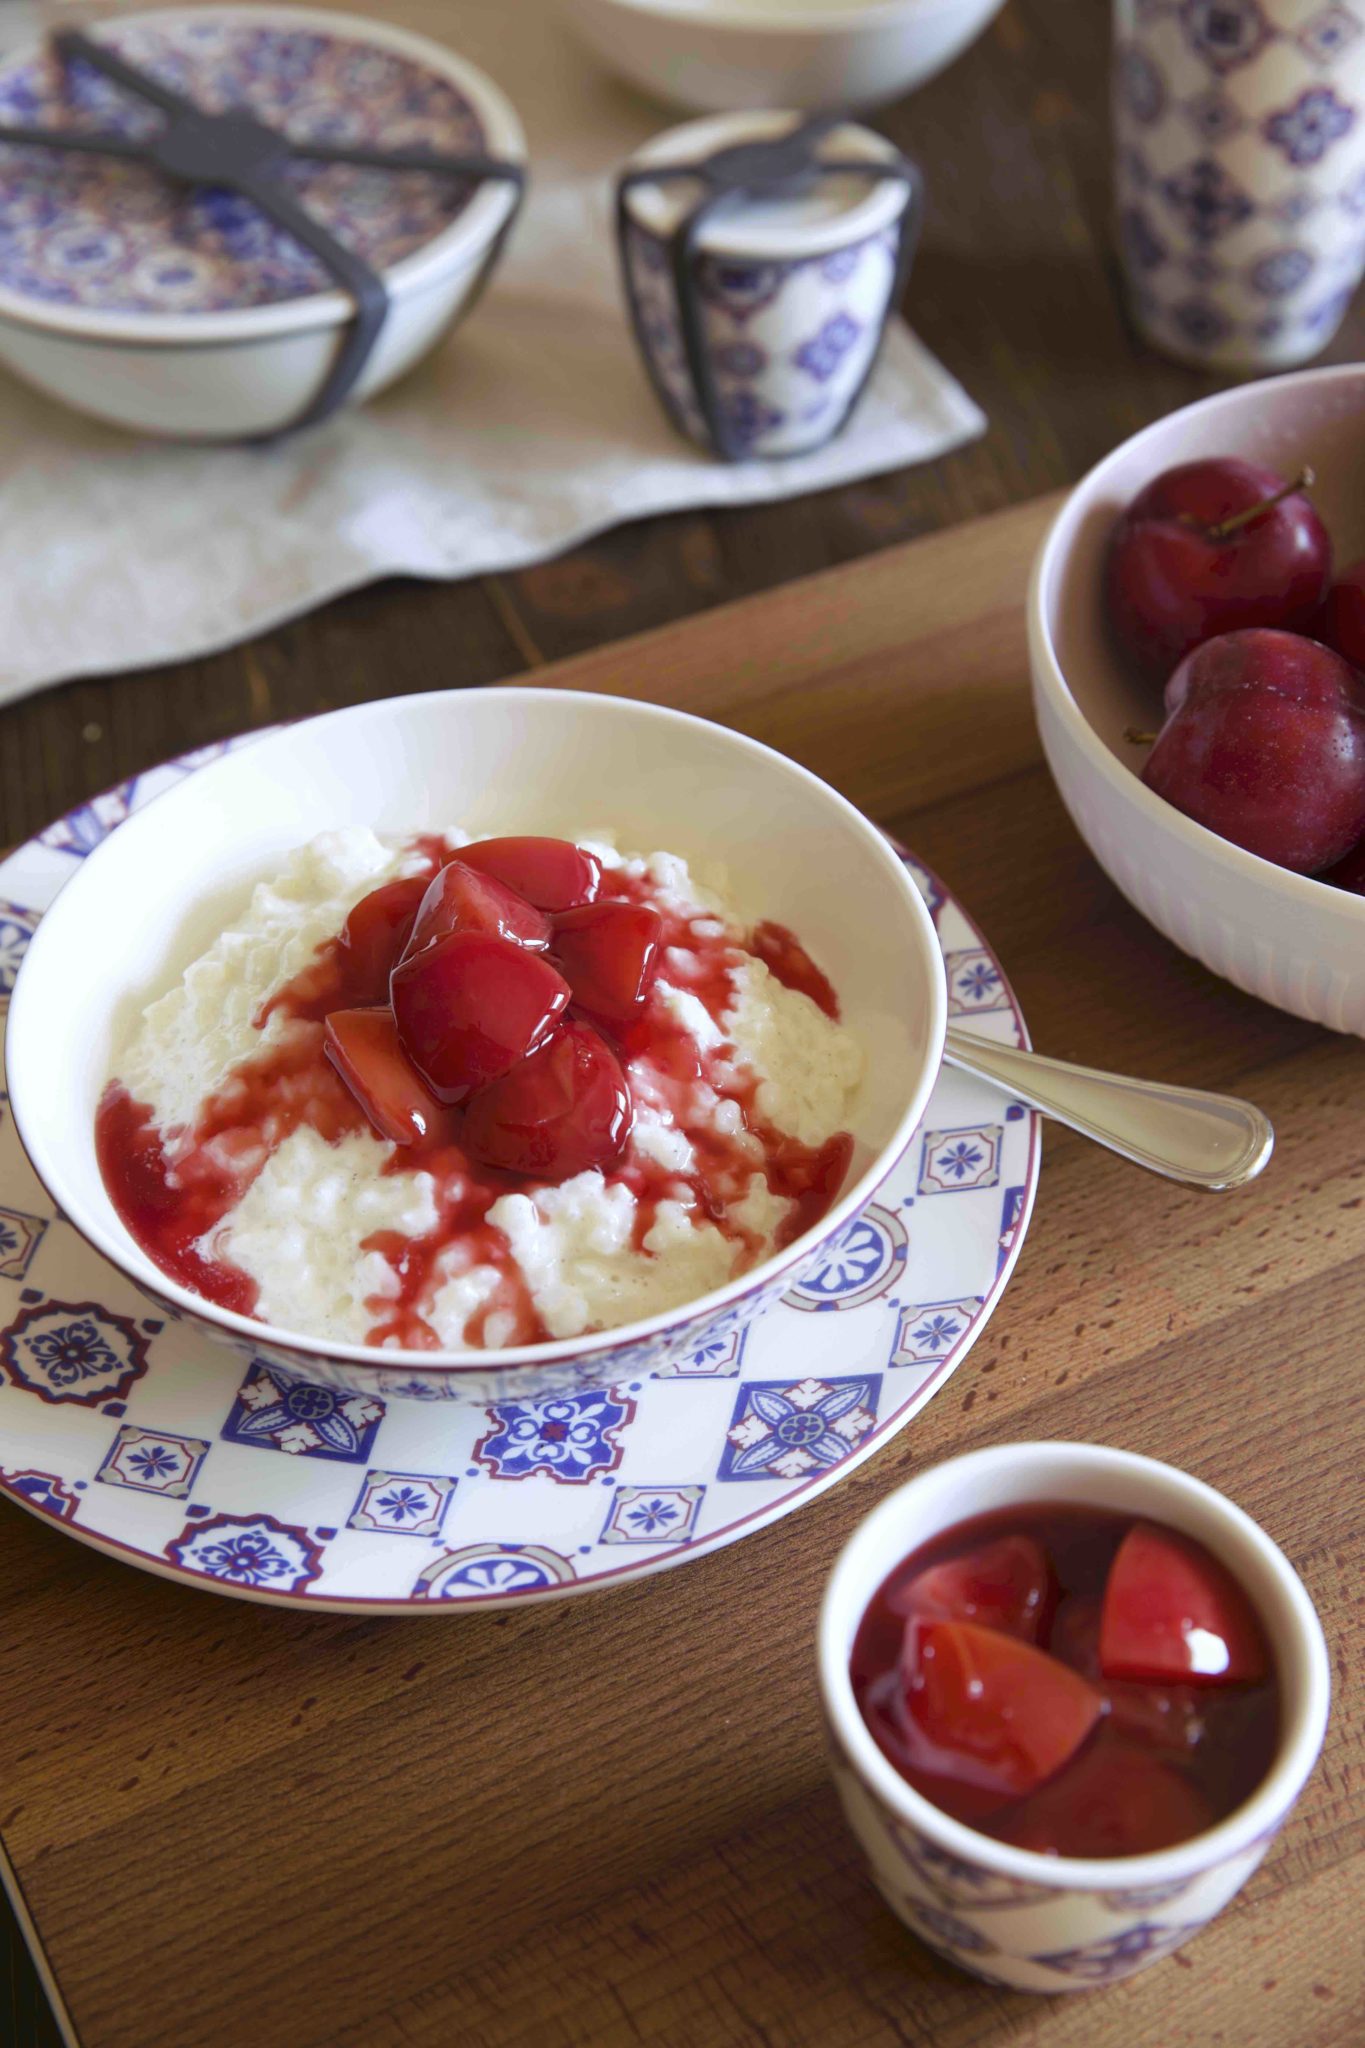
[[784, 166], [243, 155]]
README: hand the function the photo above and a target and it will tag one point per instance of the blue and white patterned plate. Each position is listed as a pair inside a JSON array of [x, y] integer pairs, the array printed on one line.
[[149, 1442]]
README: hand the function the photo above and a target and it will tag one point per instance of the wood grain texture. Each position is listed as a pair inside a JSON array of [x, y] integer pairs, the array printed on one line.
[[608, 1821]]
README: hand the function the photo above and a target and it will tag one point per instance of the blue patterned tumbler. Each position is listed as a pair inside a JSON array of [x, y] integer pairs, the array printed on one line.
[[1240, 134]]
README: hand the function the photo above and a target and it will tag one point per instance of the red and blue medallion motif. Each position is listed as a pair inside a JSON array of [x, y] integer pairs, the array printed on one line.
[[65, 1351], [248, 1550]]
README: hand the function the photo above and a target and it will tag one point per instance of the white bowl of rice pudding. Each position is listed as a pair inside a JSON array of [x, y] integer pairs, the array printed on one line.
[[572, 1136]]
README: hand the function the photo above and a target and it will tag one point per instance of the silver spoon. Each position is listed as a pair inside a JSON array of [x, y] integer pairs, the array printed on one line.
[[1187, 1134]]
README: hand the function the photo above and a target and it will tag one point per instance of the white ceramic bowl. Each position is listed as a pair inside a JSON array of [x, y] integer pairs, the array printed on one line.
[[1046, 1923], [252, 370], [719, 55], [1291, 940], [157, 891]]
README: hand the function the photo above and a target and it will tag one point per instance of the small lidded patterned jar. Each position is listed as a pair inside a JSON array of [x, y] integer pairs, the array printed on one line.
[[760, 284]]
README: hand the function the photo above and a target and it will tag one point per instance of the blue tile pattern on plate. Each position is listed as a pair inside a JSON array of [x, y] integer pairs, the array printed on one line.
[[20, 1237], [573, 1438], [785, 1432], [955, 1162], [276, 1412], [153, 1461], [98, 232], [253, 1551], [17, 927], [260, 1523], [493, 1570], [974, 983], [927, 1334], [719, 1358], [402, 1503], [85, 828], [867, 1261], [65, 1351], [649, 1514], [43, 1490]]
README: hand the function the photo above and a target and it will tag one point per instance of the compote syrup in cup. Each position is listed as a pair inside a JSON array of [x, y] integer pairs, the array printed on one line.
[[1071, 1696], [1069, 1680]]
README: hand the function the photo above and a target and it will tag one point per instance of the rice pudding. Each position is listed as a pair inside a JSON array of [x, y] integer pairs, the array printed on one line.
[[443, 1095]]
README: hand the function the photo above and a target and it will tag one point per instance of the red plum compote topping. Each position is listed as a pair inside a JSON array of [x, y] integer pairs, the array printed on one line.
[[491, 1018]]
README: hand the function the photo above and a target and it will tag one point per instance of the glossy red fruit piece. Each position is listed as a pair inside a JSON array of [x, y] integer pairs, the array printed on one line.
[[363, 1047], [607, 953], [1172, 581], [553, 874], [564, 1109], [1341, 622], [1264, 743], [989, 1710], [785, 957], [460, 899], [1165, 1717], [1116, 1800], [375, 933], [471, 1006], [1172, 1613], [1002, 1585]]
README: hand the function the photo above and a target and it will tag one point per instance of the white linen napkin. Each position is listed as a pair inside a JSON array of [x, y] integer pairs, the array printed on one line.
[[529, 429]]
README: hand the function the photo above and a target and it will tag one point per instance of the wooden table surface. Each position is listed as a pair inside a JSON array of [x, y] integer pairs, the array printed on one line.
[[607, 1821]]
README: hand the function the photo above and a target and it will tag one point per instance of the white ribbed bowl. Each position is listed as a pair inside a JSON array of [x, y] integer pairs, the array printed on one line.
[[1293, 941]]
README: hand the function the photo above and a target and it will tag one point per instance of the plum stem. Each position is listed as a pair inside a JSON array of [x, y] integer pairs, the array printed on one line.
[[1233, 524], [1139, 739]]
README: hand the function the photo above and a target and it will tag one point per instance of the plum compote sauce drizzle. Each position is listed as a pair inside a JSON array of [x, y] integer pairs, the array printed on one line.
[[1163, 1761], [170, 1196]]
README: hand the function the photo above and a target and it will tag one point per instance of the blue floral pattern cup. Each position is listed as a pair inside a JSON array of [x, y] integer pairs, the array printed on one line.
[[1240, 173], [793, 296], [1025, 1921]]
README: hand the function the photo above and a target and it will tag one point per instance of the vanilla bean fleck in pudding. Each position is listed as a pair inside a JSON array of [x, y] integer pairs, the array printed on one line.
[[440, 1095]]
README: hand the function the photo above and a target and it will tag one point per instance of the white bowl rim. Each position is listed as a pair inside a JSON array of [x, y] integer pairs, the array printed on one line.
[[462, 241], [766, 20], [1050, 677], [745, 239], [129, 1258], [1240, 1831]]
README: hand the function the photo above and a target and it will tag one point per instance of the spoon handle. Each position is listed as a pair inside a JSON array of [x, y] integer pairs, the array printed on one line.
[[1206, 1141]]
